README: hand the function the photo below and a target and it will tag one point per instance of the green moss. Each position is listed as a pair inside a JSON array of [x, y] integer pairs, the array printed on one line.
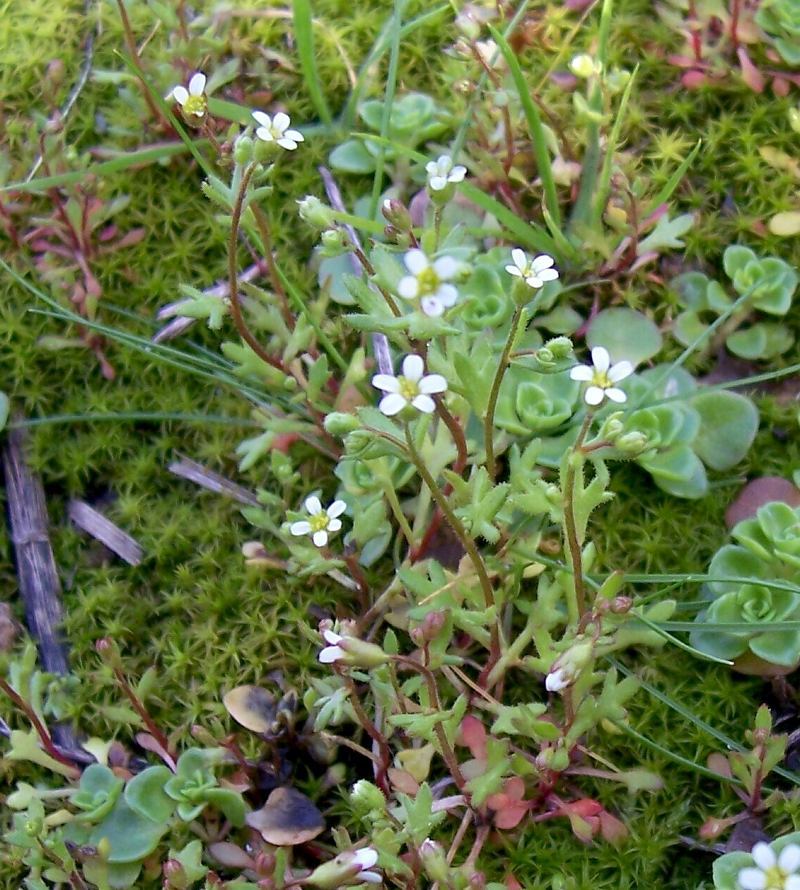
[[191, 608]]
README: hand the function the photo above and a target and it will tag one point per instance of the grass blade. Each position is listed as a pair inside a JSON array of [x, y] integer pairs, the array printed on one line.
[[304, 37]]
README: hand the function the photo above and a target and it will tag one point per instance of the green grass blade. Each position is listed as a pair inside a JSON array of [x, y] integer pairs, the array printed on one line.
[[304, 38], [535, 127], [662, 632], [135, 417], [672, 183]]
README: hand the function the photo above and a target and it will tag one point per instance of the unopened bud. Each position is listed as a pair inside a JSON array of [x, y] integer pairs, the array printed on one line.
[[621, 604], [560, 347], [434, 861], [315, 212], [634, 442], [334, 242], [367, 797], [347, 869], [243, 150], [396, 214], [794, 119], [585, 66], [339, 423], [174, 875]]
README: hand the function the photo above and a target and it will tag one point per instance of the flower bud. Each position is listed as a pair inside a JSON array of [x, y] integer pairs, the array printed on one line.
[[621, 604], [315, 212], [346, 870], [568, 666], [243, 150], [560, 347], [339, 423], [334, 242], [434, 861], [396, 214], [794, 119], [350, 651], [633, 443], [366, 797], [585, 66]]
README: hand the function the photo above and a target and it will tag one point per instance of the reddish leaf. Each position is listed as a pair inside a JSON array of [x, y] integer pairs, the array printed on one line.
[[750, 74], [472, 733], [759, 492], [612, 829], [511, 816]]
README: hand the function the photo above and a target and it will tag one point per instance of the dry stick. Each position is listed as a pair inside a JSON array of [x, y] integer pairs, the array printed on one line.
[[380, 342], [39, 584]]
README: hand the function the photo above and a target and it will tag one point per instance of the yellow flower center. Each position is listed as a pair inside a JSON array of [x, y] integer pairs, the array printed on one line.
[[409, 389], [319, 521], [195, 105], [776, 878], [600, 378], [428, 281]]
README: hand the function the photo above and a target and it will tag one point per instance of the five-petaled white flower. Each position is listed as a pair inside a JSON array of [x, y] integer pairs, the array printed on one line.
[[557, 680], [276, 129], [427, 282], [333, 652], [410, 388], [772, 872], [441, 172], [321, 522], [193, 100], [602, 376], [534, 272]]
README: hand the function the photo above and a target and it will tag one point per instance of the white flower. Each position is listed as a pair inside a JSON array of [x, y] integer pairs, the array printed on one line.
[[193, 100], [410, 388], [276, 129], [426, 282], [534, 272], [772, 872], [557, 680], [320, 522], [601, 376], [333, 651], [365, 859], [442, 171], [585, 66]]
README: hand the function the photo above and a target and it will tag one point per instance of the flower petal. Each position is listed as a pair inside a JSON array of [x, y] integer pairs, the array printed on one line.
[[365, 857], [547, 274], [334, 525], [408, 288], [752, 879], [457, 174], [336, 509], [447, 294], [331, 637], [264, 134], [433, 307], [789, 858], [581, 372], [424, 403], [616, 394], [542, 262], [620, 371], [514, 270], [416, 261], [288, 144], [261, 117], [370, 877], [320, 538], [313, 505], [792, 883], [300, 528], [519, 258], [445, 267], [437, 183], [413, 367], [330, 655], [386, 382], [600, 358], [432, 168], [593, 395], [294, 135], [764, 856], [281, 122], [431, 383], [392, 404], [180, 95], [197, 84]]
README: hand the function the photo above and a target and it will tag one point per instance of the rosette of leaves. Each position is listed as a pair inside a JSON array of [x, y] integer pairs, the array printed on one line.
[[414, 119], [780, 19], [743, 586], [728, 867], [689, 428], [769, 284], [531, 403], [156, 792]]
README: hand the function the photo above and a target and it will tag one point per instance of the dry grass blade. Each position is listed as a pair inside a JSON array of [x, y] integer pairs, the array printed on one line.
[[208, 479], [102, 529]]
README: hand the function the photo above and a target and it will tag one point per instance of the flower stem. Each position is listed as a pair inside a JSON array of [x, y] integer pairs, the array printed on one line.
[[264, 232], [488, 421], [458, 527], [373, 733], [578, 606]]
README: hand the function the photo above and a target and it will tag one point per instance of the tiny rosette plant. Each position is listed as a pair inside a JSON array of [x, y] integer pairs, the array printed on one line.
[[763, 284], [774, 865], [751, 588]]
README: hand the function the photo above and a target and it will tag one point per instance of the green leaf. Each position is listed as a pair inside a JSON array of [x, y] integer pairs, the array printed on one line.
[[666, 235], [352, 157], [304, 38], [145, 794], [229, 802], [729, 423], [625, 333], [726, 869], [131, 836], [4, 409], [678, 471], [735, 258], [750, 343]]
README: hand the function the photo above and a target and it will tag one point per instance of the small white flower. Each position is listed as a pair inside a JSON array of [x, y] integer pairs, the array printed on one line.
[[410, 388], [365, 859], [333, 652], [193, 100], [602, 376], [276, 129], [557, 680], [321, 522], [534, 272], [442, 171], [772, 872], [585, 66], [427, 282]]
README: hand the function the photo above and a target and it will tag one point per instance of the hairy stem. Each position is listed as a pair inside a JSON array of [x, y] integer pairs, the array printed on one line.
[[488, 421], [578, 607]]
